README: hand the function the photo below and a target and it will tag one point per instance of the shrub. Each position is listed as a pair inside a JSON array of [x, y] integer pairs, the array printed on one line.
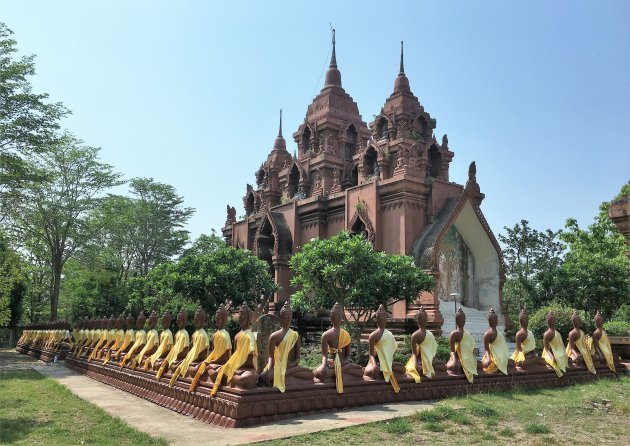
[[616, 328], [444, 349], [622, 314], [538, 321]]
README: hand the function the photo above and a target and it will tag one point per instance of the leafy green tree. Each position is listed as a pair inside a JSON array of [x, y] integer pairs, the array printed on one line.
[[28, 122], [11, 284], [346, 269], [52, 214]]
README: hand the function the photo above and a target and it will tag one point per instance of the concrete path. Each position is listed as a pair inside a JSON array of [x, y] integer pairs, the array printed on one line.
[[181, 430]]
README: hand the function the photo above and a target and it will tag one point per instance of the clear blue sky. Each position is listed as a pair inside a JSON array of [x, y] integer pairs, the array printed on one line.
[[537, 92]]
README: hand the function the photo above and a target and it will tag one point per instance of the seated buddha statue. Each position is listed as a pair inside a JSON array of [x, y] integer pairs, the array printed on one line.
[[139, 341], [524, 356], [283, 366], [207, 370], [116, 341], [577, 351], [382, 346], [496, 357], [462, 346], [178, 352], [152, 342], [92, 338], [336, 342], [240, 370], [553, 347], [200, 344], [106, 335], [423, 350], [128, 339], [600, 349], [166, 342]]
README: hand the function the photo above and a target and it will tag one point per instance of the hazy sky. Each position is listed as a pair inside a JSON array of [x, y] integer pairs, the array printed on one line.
[[537, 92]]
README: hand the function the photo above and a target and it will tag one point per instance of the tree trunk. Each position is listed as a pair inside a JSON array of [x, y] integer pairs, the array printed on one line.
[[355, 330], [54, 292]]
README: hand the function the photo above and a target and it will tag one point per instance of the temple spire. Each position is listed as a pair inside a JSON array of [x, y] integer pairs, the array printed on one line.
[[401, 84], [280, 143], [333, 59], [280, 129], [333, 76], [402, 61]]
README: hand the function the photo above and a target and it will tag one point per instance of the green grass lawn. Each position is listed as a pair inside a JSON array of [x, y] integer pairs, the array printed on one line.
[[587, 414], [35, 410]]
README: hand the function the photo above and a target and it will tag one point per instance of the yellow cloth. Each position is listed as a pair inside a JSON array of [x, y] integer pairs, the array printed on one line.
[[221, 343], [465, 350], [152, 341], [200, 342], [101, 341], [557, 357], [281, 357], [605, 348], [427, 350], [528, 345], [584, 351], [109, 337], [344, 341], [245, 345], [498, 355], [128, 339], [119, 336], [385, 348], [182, 340], [141, 340], [166, 342]]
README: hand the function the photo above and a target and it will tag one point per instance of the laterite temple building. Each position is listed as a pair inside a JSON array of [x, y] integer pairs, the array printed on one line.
[[389, 181]]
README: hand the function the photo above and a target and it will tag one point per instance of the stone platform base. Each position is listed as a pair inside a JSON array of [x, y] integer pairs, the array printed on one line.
[[238, 408], [42, 354]]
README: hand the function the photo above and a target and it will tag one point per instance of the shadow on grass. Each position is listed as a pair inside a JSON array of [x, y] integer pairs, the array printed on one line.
[[14, 429], [20, 375]]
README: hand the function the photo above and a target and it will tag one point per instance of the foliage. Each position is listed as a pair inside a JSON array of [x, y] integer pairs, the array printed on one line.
[[616, 328], [12, 286], [52, 214], [538, 321], [622, 314]]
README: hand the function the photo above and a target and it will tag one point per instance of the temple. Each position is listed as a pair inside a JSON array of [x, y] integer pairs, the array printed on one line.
[[388, 181]]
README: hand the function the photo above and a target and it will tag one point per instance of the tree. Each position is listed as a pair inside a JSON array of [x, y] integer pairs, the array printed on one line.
[[28, 123], [159, 218], [533, 259], [596, 270], [12, 285], [346, 269], [53, 213]]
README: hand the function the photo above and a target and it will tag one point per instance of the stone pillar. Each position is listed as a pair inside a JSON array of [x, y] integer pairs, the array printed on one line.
[[283, 279]]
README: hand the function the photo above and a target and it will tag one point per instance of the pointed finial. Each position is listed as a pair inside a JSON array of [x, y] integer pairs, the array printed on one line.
[[402, 62], [333, 59], [280, 129]]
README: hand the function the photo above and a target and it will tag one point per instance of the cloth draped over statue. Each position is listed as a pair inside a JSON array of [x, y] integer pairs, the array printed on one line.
[[182, 340], [221, 343], [141, 339], [128, 339], [200, 342], [528, 345], [281, 358], [245, 345], [605, 348], [557, 357], [584, 351], [427, 350], [343, 342], [166, 341], [465, 350], [152, 341], [385, 348], [498, 354]]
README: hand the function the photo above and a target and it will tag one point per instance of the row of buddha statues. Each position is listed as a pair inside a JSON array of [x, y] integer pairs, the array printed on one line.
[[198, 362], [48, 336]]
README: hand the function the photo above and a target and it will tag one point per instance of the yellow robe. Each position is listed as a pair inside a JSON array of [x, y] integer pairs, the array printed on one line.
[[182, 340], [221, 343], [119, 335], [111, 336], [245, 345], [166, 342], [141, 340], [498, 353], [584, 351], [152, 341], [101, 341], [385, 348], [344, 341], [200, 342], [557, 357], [465, 350], [528, 345], [605, 348], [128, 339], [427, 350], [281, 357]]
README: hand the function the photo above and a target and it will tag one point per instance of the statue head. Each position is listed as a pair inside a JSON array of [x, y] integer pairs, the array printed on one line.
[[245, 316], [111, 323], [598, 319], [120, 322], [140, 321], [460, 318], [523, 318], [336, 314], [551, 320], [129, 321], [422, 317], [286, 314], [221, 316], [152, 320], [200, 317], [104, 322], [381, 317], [493, 319], [182, 318], [167, 318], [575, 319]]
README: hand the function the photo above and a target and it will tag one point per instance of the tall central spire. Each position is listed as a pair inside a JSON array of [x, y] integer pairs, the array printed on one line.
[[280, 143], [401, 83], [402, 62], [280, 129], [333, 75]]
